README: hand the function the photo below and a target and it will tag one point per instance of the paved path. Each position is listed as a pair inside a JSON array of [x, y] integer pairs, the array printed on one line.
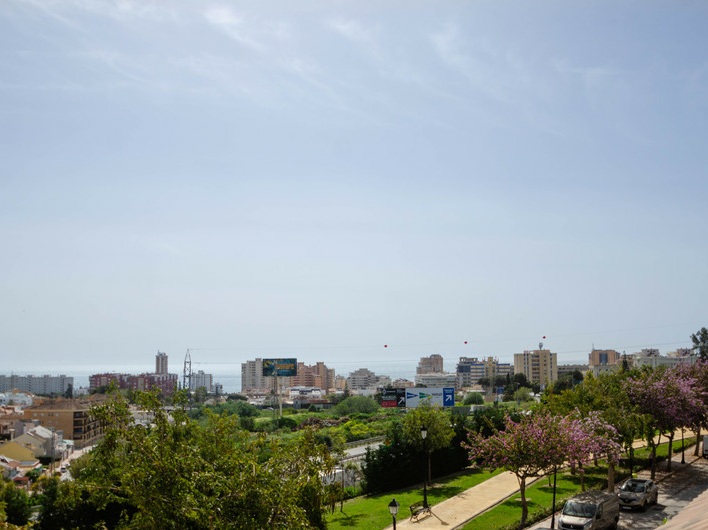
[[454, 512]]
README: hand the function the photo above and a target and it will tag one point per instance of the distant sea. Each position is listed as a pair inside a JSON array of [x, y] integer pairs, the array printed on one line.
[[227, 374]]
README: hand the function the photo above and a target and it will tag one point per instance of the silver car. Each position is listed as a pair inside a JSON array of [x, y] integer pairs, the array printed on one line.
[[638, 493]]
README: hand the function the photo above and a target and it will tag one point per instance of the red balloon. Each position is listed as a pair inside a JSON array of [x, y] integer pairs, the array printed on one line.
[[544, 336], [385, 345], [465, 342]]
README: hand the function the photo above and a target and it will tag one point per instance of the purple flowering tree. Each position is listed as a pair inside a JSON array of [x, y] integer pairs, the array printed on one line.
[[530, 448], [669, 400], [696, 401], [588, 439]]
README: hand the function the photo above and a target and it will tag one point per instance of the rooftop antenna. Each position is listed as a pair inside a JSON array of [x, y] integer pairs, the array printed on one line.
[[187, 373]]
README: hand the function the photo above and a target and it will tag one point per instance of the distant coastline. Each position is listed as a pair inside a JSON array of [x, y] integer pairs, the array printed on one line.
[[229, 374]]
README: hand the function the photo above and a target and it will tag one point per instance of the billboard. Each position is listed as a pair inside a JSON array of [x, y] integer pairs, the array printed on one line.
[[279, 367], [442, 397], [393, 397]]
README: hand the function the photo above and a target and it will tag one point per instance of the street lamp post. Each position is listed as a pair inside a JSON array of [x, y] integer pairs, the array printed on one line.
[[553, 507], [424, 435], [393, 508], [683, 449]]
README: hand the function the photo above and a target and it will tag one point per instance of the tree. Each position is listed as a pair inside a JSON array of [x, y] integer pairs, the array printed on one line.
[[693, 397], [589, 438], [437, 423], [668, 399], [356, 404], [200, 394], [700, 343], [473, 398], [17, 504], [489, 420], [392, 465], [520, 380], [176, 473], [528, 448], [485, 383], [523, 394], [606, 394]]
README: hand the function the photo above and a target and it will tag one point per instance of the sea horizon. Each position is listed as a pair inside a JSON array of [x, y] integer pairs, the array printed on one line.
[[229, 374]]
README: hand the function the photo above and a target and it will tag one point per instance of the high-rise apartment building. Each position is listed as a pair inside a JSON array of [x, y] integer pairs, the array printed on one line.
[[433, 364], [200, 379], [161, 363], [317, 375], [252, 377], [539, 366], [45, 385], [470, 370]]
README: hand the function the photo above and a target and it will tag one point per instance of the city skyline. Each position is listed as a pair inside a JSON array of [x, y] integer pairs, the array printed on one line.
[[352, 182], [390, 366]]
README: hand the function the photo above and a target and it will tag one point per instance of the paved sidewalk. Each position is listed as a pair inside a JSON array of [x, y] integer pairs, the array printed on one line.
[[458, 510]]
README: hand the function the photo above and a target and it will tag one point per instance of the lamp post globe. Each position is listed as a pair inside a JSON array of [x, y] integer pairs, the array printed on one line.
[[393, 508]]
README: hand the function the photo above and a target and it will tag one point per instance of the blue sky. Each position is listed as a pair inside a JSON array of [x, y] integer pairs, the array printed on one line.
[[317, 179]]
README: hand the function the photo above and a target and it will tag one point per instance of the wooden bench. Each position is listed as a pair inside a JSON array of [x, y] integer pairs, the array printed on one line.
[[417, 509]]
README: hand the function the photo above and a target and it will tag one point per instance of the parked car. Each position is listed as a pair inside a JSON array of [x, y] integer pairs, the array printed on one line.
[[592, 510], [638, 493]]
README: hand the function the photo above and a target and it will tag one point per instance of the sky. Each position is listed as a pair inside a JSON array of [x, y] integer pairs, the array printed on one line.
[[354, 182]]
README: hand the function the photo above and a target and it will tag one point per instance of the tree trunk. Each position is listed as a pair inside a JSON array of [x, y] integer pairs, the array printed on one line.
[[671, 451], [653, 461], [524, 506], [698, 441], [610, 477]]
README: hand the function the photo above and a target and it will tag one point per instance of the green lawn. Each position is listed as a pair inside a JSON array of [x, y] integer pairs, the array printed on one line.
[[371, 512]]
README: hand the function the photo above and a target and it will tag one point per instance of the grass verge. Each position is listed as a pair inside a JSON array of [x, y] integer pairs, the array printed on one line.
[[371, 512]]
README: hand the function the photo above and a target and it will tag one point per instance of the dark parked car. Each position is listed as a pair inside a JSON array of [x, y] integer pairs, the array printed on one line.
[[638, 493]]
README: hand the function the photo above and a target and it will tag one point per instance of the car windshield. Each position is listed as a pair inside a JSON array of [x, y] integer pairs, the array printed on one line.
[[633, 487], [579, 509]]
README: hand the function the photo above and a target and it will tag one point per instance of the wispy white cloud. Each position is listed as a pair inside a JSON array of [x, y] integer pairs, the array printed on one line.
[[482, 68], [352, 30], [232, 24]]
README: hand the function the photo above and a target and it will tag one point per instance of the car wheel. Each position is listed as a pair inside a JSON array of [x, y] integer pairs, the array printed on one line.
[[643, 507]]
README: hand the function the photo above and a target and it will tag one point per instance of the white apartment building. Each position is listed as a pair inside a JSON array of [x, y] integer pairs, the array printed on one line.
[[436, 380], [36, 384], [200, 379], [654, 360]]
